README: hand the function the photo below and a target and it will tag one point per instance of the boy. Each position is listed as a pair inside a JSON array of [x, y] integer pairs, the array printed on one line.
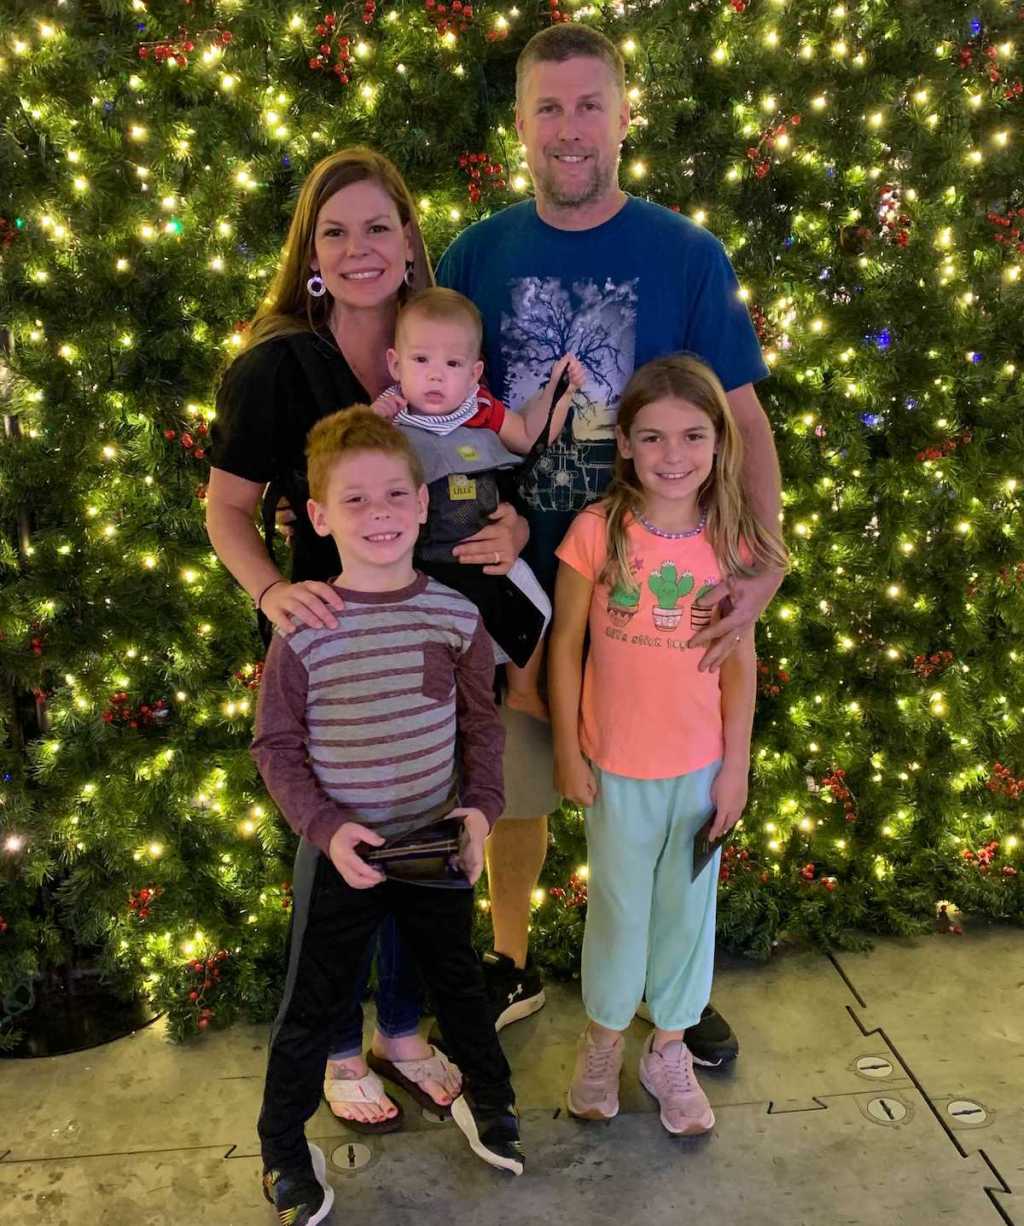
[[380, 727], [464, 437]]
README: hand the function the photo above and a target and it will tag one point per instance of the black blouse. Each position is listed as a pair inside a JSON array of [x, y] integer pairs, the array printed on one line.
[[268, 401]]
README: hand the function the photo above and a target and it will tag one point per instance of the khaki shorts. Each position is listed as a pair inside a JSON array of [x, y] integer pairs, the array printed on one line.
[[529, 767]]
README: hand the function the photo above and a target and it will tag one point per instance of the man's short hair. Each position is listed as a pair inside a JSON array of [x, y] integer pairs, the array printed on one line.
[[564, 42], [352, 430], [442, 306]]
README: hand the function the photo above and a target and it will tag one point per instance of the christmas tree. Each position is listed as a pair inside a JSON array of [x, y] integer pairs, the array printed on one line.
[[862, 164]]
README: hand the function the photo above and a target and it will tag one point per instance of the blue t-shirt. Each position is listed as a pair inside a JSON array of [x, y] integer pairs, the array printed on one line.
[[645, 283]]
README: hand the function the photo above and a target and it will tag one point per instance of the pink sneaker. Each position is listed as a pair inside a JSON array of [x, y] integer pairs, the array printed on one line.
[[594, 1091], [668, 1075]]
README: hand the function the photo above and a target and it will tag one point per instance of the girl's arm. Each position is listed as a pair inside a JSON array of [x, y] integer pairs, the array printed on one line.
[[738, 679], [519, 431], [573, 777]]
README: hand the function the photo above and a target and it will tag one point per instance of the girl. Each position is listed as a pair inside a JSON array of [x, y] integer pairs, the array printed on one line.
[[649, 745]]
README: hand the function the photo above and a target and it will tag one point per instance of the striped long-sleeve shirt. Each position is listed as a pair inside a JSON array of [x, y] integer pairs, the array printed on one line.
[[388, 720]]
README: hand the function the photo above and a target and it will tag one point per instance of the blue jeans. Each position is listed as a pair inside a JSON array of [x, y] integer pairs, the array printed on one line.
[[399, 995]]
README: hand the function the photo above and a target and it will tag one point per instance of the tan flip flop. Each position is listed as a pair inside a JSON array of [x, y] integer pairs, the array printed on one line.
[[368, 1089], [409, 1075]]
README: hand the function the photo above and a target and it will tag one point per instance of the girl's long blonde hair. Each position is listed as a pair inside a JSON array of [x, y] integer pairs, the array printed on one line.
[[732, 529], [288, 306]]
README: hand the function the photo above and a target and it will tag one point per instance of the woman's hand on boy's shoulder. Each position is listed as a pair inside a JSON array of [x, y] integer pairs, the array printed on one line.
[[729, 796], [291, 606], [472, 836]]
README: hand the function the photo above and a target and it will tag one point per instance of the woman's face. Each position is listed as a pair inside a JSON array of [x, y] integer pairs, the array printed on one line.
[[360, 245]]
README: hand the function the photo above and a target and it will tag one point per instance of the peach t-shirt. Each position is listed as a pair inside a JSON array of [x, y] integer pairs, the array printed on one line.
[[646, 711]]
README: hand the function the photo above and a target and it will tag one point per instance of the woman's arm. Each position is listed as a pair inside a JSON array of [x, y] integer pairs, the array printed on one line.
[[738, 679], [231, 504], [573, 592]]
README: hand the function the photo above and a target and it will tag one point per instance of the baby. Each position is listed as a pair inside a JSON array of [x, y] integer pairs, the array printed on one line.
[[469, 445]]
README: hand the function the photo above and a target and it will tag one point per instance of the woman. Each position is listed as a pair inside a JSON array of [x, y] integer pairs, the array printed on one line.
[[317, 343]]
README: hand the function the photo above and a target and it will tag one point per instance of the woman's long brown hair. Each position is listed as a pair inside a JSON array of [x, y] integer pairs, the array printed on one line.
[[288, 306]]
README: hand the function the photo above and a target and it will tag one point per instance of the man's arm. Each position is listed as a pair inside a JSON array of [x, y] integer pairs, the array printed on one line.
[[762, 482], [762, 478]]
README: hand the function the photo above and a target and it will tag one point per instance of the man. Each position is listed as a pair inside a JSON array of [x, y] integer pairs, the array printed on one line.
[[587, 269]]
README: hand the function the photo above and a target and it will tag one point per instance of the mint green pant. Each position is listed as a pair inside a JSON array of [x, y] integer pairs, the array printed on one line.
[[649, 926]]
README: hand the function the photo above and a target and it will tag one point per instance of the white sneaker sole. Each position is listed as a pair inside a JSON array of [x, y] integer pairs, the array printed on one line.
[[462, 1115], [520, 1009], [588, 1113], [320, 1171], [692, 1128]]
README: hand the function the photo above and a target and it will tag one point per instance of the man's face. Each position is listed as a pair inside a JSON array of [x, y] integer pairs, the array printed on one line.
[[572, 119]]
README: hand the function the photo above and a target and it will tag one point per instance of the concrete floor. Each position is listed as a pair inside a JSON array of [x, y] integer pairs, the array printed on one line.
[[870, 1089]]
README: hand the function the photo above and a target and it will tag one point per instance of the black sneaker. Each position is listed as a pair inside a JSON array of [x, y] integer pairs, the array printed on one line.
[[514, 993], [301, 1198], [712, 1042], [492, 1134]]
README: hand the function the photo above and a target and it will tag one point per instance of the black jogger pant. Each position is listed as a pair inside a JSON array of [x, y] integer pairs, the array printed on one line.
[[332, 927]]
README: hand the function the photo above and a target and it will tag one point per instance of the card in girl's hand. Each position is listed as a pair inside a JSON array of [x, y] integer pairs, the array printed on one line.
[[704, 848]]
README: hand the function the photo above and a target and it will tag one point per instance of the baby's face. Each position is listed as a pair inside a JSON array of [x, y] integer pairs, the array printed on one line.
[[437, 363]]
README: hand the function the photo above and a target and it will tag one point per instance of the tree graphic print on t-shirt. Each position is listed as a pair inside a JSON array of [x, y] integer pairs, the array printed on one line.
[[597, 323]]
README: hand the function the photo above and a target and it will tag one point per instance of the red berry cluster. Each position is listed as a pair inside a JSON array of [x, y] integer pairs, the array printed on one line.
[[983, 857], [945, 448], [985, 61], [286, 895], [8, 233], [334, 44], [767, 332], [139, 900], [928, 666], [195, 446], [369, 11], [835, 781], [36, 643], [572, 895], [770, 679], [807, 873], [1013, 576], [761, 153], [556, 14], [735, 860], [1009, 228], [3, 925], [481, 173], [739, 6], [210, 970], [893, 223], [1003, 782], [121, 711], [250, 676], [496, 33], [181, 47], [455, 17]]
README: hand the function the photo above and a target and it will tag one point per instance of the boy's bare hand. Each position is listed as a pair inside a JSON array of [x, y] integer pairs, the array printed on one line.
[[354, 869], [472, 837]]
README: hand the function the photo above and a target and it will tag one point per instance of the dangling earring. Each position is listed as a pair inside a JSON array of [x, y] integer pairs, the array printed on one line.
[[410, 269], [315, 285]]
